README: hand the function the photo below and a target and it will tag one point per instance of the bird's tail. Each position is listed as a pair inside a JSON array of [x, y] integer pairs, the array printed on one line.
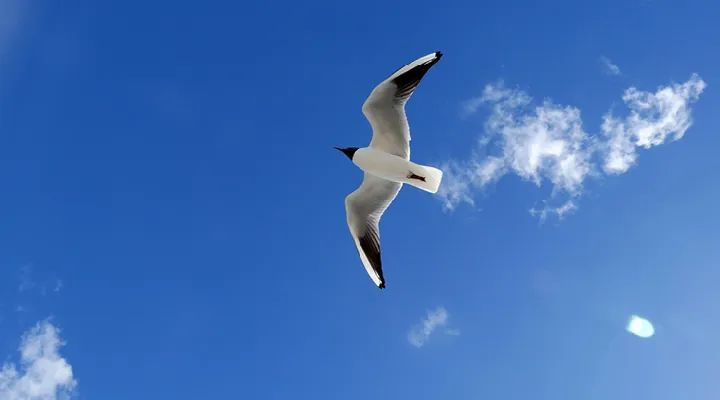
[[424, 177]]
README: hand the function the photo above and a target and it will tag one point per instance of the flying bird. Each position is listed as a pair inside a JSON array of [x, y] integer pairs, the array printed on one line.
[[386, 161]]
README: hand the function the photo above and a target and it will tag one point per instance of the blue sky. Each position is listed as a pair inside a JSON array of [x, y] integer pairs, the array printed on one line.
[[173, 223]]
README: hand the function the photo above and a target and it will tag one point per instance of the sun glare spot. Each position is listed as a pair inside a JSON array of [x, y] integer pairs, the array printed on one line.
[[640, 327]]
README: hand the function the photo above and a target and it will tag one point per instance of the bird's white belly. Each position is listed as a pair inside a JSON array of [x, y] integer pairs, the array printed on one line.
[[384, 165]]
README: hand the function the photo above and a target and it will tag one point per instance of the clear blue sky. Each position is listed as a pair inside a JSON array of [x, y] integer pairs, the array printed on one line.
[[172, 202]]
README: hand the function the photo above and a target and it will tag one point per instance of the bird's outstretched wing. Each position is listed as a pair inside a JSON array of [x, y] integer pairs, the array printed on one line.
[[364, 208], [385, 107]]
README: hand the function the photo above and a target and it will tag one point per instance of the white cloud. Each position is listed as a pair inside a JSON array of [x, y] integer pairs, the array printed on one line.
[[42, 374], [420, 333], [608, 67], [547, 142], [654, 117], [542, 143]]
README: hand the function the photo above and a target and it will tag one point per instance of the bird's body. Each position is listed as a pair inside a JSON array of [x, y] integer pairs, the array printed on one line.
[[386, 162], [396, 169]]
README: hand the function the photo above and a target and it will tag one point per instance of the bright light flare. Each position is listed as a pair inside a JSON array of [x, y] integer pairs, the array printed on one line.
[[640, 327]]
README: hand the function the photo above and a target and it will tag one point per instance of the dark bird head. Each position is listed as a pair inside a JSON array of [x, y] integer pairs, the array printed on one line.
[[349, 151]]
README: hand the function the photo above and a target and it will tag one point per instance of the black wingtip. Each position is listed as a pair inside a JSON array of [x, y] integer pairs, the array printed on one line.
[[438, 54], [381, 285]]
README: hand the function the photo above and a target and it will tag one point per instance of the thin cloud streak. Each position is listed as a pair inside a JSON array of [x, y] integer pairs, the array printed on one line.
[[610, 68], [548, 143], [421, 333], [25, 279], [561, 211]]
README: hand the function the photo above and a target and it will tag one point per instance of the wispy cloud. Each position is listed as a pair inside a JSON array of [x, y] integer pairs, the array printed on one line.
[[25, 279], [12, 13], [420, 333], [654, 118], [42, 374], [33, 280], [548, 142], [608, 67], [565, 209]]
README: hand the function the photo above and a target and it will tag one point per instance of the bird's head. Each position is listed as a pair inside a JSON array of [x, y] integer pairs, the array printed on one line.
[[349, 151]]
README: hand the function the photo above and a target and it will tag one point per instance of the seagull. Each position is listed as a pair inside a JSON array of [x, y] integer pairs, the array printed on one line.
[[386, 161]]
